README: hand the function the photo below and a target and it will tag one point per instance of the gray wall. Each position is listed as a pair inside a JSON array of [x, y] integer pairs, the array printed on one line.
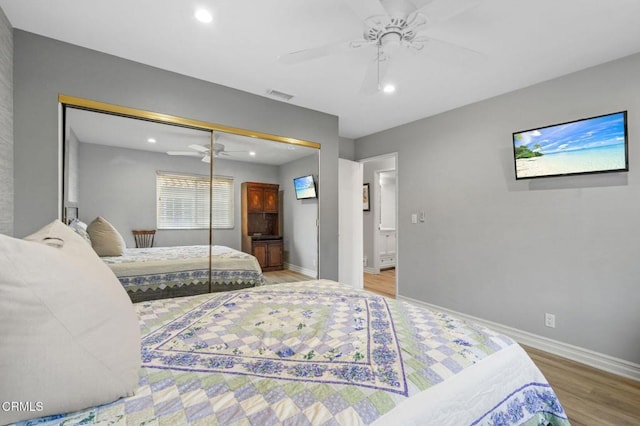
[[300, 232], [347, 148], [510, 251], [120, 185], [44, 68], [6, 125]]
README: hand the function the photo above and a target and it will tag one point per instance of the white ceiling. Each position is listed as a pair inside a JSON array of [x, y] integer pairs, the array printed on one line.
[[520, 43]]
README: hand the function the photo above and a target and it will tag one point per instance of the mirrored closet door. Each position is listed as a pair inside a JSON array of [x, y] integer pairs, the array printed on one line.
[[172, 190]]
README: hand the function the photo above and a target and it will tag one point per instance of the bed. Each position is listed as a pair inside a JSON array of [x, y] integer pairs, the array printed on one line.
[[318, 352], [161, 272]]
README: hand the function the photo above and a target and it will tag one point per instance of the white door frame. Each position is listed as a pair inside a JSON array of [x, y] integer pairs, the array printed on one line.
[[350, 240]]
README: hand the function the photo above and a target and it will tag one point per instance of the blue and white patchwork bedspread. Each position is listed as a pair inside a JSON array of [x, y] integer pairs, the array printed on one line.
[[316, 353], [141, 269]]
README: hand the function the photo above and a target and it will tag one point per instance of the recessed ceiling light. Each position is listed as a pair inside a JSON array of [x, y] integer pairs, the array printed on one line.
[[151, 140], [203, 16], [252, 153], [389, 88]]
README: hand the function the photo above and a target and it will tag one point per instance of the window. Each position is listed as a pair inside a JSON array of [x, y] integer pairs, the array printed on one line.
[[183, 201]]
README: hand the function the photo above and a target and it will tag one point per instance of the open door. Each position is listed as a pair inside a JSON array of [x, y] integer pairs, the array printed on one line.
[[350, 245]]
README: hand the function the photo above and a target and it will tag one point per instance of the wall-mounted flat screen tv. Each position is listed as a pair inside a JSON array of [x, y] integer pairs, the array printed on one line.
[[591, 145], [305, 187]]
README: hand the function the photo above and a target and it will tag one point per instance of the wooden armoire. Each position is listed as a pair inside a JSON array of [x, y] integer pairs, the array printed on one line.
[[260, 224]]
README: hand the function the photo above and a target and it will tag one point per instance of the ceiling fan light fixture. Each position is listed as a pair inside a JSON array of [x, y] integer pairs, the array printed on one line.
[[390, 43]]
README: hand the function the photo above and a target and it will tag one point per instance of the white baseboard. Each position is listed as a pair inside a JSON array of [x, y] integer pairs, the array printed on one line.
[[371, 270], [299, 269], [594, 359]]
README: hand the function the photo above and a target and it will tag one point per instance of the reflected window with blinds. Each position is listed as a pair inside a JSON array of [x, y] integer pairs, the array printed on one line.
[[183, 201]]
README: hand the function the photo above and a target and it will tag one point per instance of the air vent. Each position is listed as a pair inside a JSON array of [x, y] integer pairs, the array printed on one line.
[[279, 95]]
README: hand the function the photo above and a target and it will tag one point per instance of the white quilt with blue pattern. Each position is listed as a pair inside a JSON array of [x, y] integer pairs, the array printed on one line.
[[320, 353], [141, 269]]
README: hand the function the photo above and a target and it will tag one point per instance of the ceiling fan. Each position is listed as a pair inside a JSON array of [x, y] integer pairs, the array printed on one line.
[[204, 152], [390, 26]]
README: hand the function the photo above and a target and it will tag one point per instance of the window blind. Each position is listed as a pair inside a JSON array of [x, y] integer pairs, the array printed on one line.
[[223, 202], [183, 201]]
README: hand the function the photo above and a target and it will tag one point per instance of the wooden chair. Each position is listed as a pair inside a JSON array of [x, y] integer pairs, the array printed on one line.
[[144, 238]]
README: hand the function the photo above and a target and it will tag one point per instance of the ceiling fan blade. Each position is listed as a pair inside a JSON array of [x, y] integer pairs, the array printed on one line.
[[206, 159], [398, 8], [419, 4], [199, 148], [441, 10], [187, 153], [314, 53], [374, 76], [365, 8], [436, 43]]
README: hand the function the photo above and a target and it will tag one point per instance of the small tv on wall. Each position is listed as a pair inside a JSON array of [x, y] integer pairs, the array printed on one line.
[[305, 187], [590, 145]]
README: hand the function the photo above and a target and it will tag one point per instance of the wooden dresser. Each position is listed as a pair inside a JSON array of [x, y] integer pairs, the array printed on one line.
[[260, 224]]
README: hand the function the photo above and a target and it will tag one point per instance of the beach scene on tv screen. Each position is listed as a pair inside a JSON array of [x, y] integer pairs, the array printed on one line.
[[590, 145], [305, 187]]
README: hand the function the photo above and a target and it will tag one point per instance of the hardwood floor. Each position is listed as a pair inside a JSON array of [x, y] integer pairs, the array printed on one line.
[[284, 276], [591, 397], [383, 283]]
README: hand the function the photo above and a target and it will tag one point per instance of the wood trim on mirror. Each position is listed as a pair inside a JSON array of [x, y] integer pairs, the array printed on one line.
[[97, 106]]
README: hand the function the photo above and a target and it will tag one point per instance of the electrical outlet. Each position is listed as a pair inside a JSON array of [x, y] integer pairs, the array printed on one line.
[[550, 320]]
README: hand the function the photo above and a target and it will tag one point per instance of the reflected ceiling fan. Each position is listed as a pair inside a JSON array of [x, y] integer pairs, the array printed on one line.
[[204, 152], [390, 26]]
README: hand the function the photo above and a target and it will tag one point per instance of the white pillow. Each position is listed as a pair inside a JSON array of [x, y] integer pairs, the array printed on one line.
[[105, 238], [70, 336], [80, 228]]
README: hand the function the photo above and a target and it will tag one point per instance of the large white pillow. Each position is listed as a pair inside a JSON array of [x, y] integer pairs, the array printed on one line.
[[105, 238], [69, 336]]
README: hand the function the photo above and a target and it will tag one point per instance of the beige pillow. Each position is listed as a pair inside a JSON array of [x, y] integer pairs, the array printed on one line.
[[70, 338], [105, 239]]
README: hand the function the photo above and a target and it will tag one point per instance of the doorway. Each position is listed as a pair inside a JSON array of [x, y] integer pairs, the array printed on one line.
[[380, 236]]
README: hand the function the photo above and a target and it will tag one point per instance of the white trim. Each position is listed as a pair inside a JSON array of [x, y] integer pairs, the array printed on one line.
[[594, 359], [299, 269], [371, 270], [60, 206]]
